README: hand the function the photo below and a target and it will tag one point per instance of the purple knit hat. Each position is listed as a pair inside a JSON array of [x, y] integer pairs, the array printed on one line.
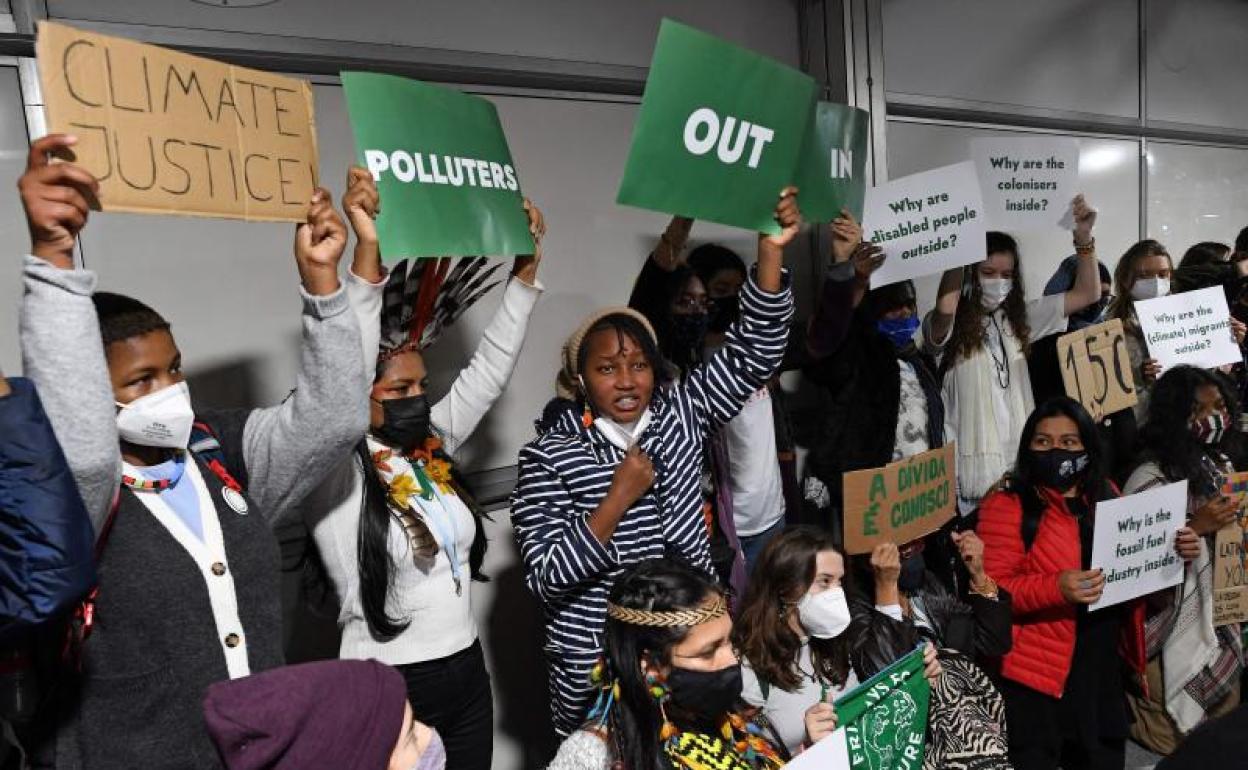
[[342, 714]]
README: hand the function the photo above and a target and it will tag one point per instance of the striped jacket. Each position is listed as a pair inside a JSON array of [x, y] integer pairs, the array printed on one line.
[[566, 471]]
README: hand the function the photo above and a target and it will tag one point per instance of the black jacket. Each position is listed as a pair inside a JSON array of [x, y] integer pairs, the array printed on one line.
[[973, 625]]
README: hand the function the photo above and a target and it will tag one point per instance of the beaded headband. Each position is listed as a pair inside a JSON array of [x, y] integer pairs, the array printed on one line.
[[670, 618]]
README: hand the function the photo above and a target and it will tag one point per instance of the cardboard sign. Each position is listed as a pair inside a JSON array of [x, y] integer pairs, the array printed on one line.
[[447, 183], [1096, 368], [1028, 184], [833, 166], [1230, 560], [1190, 328], [927, 223], [719, 133], [1134, 543], [900, 502], [166, 132]]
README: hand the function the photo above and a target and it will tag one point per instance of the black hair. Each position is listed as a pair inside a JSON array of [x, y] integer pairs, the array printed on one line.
[[656, 306], [1205, 253], [1166, 437], [659, 585], [1241, 241], [1095, 484], [887, 298], [711, 258], [625, 325], [123, 317]]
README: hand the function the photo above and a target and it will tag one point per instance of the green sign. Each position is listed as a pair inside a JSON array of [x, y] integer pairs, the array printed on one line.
[[719, 133], [885, 718], [448, 186], [834, 163]]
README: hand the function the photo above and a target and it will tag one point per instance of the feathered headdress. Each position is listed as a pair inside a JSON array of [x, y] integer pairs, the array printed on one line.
[[423, 297]]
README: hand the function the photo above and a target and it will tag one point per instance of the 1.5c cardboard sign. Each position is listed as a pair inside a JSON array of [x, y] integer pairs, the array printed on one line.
[[166, 132], [1096, 368]]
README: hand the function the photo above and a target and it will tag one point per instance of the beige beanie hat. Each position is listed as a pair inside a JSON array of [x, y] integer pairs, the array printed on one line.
[[567, 382]]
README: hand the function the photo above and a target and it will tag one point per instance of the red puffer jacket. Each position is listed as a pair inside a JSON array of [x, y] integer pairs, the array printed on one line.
[[1044, 622]]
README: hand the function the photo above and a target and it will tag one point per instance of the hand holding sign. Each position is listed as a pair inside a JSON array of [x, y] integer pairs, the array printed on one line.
[[1096, 368], [56, 197], [1084, 220], [846, 236], [1081, 586], [525, 267], [820, 721], [319, 243]]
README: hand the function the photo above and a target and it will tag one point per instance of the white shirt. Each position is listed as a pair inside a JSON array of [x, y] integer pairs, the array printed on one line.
[[442, 621], [754, 466], [787, 710]]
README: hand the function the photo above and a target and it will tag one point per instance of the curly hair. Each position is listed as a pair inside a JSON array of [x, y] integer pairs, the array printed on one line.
[[1166, 437], [969, 333], [782, 576]]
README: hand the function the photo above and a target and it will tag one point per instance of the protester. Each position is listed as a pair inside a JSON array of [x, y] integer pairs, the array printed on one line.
[[1064, 678], [673, 299], [1212, 744], [1143, 273], [882, 394], [189, 581], [1118, 430], [345, 714], [46, 562], [671, 682], [395, 528], [1193, 667], [982, 345], [614, 476], [750, 462]]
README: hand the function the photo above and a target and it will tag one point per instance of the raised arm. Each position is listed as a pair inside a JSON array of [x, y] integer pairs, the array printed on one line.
[[288, 448], [366, 279], [479, 385], [61, 348], [936, 330], [1087, 287], [755, 343]]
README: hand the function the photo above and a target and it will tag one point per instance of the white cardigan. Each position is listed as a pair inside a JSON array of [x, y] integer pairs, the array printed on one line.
[[441, 622]]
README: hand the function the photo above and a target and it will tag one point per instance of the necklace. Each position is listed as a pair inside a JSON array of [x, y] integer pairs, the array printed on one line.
[[157, 485], [1002, 365]]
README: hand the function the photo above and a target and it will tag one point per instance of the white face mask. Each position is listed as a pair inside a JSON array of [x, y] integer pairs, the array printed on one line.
[[622, 436], [824, 615], [160, 419], [1150, 288], [993, 291]]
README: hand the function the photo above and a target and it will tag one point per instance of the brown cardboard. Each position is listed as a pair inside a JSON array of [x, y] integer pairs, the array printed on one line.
[[900, 502], [1230, 570], [167, 132], [1096, 368]]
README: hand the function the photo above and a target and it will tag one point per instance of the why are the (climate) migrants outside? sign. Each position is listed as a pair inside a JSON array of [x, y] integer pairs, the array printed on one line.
[[166, 132], [443, 169], [1191, 328], [926, 223], [719, 132]]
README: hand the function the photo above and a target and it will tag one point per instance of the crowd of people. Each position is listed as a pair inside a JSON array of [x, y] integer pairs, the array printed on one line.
[[699, 607]]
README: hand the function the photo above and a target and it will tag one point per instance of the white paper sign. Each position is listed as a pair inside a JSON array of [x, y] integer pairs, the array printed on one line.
[[831, 753], [1027, 183], [926, 223], [1191, 328], [1134, 543]]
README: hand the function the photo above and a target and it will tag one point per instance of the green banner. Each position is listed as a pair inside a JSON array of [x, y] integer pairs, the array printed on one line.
[[448, 186], [719, 133], [833, 166], [885, 718]]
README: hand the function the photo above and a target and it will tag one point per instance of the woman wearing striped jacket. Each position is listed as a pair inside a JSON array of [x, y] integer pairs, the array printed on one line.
[[614, 478]]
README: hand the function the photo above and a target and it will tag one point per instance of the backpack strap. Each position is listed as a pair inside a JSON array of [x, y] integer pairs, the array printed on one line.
[[205, 445]]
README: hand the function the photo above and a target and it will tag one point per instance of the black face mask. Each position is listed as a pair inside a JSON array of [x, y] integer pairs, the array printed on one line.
[[1059, 469], [405, 421], [724, 310], [706, 695], [913, 570], [689, 330]]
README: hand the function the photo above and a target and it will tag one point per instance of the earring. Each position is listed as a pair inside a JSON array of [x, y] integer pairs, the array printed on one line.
[[587, 417], [660, 694]]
